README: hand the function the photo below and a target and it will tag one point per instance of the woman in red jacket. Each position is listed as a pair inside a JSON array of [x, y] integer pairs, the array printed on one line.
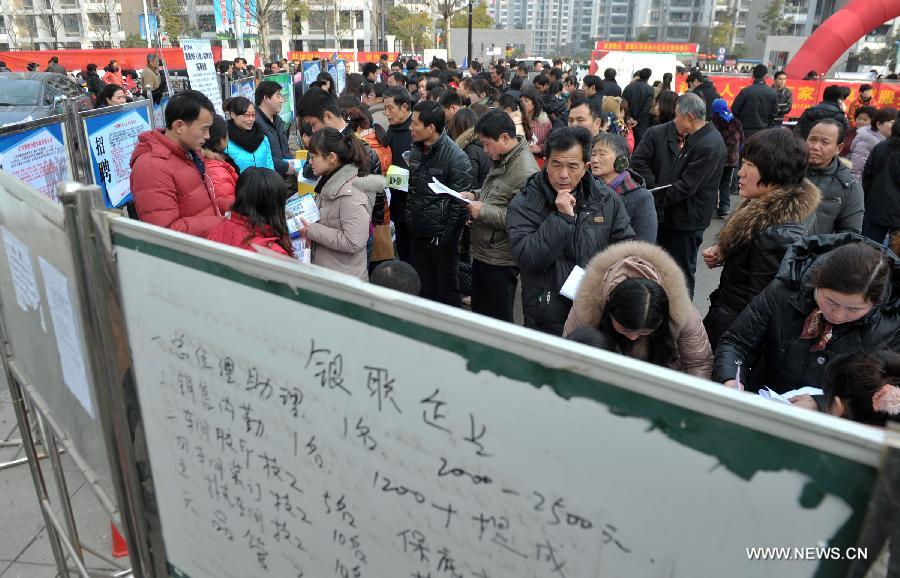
[[258, 216], [219, 166], [113, 74]]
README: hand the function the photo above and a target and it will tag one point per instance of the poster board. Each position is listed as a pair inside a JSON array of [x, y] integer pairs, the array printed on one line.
[[42, 311], [287, 91], [310, 71], [201, 69], [245, 87], [336, 428], [112, 133], [36, 154]]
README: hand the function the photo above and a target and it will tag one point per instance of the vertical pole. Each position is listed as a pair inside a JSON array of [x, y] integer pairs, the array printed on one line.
[[383, 29], [147, 25], [469, 44]]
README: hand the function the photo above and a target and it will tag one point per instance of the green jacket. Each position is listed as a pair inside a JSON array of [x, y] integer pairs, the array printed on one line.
[[490, 242]]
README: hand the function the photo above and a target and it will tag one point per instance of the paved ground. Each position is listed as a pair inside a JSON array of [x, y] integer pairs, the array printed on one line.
[[24, 549]]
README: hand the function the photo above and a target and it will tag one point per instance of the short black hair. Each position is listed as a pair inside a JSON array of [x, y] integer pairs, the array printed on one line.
[[869, 110], [595, 107], [645, 74], [500, 70], [886, 114], [832, 122], [515, 83], [411, 64], [694, 76], [609, 74], [186, 106], [316, 103], [399, 96], [541, 79], [780, 157], [833, 93], [450, 98], [369, 68], [593, 81], [221, 66], [397, 275], [566, 137], [378, 88], [865, 87], [760, 71], [266, 89], [431, 113], [779, 73], [399, 77], [494, 123]]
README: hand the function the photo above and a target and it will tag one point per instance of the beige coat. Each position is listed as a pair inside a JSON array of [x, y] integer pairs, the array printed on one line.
[[151, 78], [345, 204], [637, 259]]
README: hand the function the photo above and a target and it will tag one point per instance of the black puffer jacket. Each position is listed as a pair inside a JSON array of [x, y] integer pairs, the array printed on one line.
[[611, 88], [547, 244], [821, 111], [400, 141], [437, 218], [277, 133], [707, 91], [756, 106], [555, 107], [765, 339], [843, 202], [881, 182], [654, 157]]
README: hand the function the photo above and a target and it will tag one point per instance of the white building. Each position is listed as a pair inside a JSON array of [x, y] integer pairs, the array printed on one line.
[[60, 24]]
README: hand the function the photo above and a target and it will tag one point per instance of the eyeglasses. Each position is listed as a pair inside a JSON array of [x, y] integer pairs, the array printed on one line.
[[249, 115]]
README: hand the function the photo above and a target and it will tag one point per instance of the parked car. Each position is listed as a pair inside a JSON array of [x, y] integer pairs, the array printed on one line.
[[32, 95]]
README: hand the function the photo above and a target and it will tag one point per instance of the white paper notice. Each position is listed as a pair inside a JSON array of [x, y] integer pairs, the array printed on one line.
[[65, 326], [198, 59], [570, 287], [22, 272], [441, 189]]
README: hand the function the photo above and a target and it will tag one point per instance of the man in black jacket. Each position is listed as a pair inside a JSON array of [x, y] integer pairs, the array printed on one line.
[[756, 106], [554, 106], [830, 107], [593, 88], [562, 217], [785, 96], [398, 110], [639, 95], [704, 88], [655, 157], [269, 101], [436, 220], [688, 205], [610, 86]]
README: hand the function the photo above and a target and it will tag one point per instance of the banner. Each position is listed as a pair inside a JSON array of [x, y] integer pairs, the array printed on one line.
[[806, 93], [310, 71], [676, 47], [135, 58], [287, 91], [37, 157], [248, 22], [223, 13], [154, 29], [111, 138], [360, 56], [201, 70]]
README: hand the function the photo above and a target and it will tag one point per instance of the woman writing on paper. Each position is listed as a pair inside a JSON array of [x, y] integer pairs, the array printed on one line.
[[257, 217], [247, 143], [345, 196], [833, 294], [635, 294]]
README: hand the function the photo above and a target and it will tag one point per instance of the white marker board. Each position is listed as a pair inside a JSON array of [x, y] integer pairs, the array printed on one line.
[[300, 423]]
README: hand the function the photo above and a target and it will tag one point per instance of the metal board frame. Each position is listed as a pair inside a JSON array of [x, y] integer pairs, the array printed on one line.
[[60, 119]]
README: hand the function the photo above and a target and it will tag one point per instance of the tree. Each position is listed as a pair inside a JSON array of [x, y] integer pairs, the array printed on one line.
[[644, 36], [415, 29], [446, 10], [102, 24], [393, 17], [295, 10], [171, 14], [722, 34], [134, 41], [480, 18], [773, 21]]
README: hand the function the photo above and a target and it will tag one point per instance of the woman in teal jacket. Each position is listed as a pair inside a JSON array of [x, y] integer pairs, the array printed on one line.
[[247, 143]]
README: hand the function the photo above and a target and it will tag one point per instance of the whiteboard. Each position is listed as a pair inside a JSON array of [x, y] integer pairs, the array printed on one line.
[[301, 423], [42, 315]]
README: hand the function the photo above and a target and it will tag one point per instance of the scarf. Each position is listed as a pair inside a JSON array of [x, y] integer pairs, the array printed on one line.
[[249, 140], [817, 327]]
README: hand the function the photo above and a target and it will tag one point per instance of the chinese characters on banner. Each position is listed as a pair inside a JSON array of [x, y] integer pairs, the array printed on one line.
[[111, 139], [806, 93], [360, 56], [198, 59], [37, 157], [676, 47]]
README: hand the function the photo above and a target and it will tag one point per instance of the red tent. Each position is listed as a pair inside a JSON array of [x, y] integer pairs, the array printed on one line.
[[128, 58]]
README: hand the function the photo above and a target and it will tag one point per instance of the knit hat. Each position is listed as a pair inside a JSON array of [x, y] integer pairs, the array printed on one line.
[[720, 107]]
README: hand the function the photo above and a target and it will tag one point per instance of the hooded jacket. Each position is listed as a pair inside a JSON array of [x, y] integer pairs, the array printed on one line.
[[765, 339], [481, 162], [437, 218], [752, 244], [843, 202], [345, 205], [490, 241], [547, 244], [639, 260], [862, 146], [169, 190]]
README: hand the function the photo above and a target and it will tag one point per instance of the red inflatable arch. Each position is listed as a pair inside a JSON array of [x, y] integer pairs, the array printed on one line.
[[844, 28]]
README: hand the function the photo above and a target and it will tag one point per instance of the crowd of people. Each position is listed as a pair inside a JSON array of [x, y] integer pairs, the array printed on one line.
[[554, 178]]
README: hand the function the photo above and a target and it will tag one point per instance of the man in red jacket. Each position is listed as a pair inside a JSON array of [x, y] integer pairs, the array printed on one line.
[[168, 175]]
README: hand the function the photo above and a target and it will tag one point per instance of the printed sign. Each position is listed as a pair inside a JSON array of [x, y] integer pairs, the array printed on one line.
[[287, 91], [111, 139], [198, 58], [37, 157]]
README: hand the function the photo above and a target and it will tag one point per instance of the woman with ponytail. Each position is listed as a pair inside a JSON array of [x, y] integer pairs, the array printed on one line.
[[345, 197], [247, 143]]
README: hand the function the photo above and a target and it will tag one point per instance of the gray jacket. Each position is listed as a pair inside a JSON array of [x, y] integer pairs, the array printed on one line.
[[843, 203]]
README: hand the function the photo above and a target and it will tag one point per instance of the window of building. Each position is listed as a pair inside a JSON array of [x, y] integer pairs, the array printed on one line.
[[100, 44], [2, 25], [206, 22], [275, 23], [275, 48], [72, 24], [99, 22], [316, 21]]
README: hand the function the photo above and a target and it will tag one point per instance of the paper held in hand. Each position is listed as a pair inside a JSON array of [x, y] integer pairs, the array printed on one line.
[[301, 206], [570, 287], [442, 189], [397, 178]]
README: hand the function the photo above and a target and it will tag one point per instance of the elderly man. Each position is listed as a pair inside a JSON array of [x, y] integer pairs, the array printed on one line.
[[690, 201]]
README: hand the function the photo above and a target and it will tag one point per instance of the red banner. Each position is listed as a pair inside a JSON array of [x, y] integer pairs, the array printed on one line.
[[128, 58], [344, 55], [676, 47], [806, 92]]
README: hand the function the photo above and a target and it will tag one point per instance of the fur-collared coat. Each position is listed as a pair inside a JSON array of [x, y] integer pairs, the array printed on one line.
[[752, 245], [637, 259]]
